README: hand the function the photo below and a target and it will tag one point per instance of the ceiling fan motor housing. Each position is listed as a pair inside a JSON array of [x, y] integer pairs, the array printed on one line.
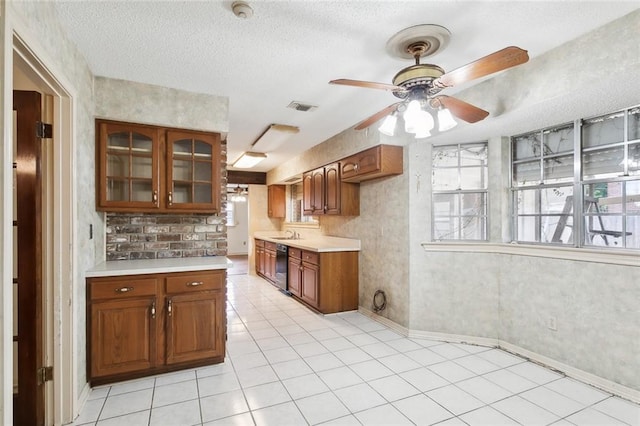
[[416, 76]]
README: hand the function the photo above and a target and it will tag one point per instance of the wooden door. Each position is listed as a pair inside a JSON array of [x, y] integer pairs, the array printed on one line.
[[317, 191], [29, 406], [310, 283], [123, 336], [128, 157], [307, 193], [294, 277], [276, 201], [332, 189], [195, 326], [193, 171]]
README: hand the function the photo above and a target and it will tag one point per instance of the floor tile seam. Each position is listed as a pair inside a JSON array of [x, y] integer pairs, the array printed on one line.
[[584, 406], [126, 414], [244, 395], [594, 406], [557, 416], [591, 387], [536, 385], [562, 375]]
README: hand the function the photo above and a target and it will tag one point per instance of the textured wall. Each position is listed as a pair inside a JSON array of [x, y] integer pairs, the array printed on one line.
[[148, 104]]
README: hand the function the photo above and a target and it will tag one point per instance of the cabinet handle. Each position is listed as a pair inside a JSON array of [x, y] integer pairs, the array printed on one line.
[[124, 289], [169, 307], [153, 310], [170, 198], [194, 283], [154, 197], [300, 268]]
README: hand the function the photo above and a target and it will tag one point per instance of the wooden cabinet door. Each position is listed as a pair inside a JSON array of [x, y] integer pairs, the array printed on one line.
[[332, 185], [317, 191], [294, 276], [270, 264], [123, 336], [193, 172], [260, 260], [128, 164], [276, 202], [310, 276], [194, 326], [307, 193]]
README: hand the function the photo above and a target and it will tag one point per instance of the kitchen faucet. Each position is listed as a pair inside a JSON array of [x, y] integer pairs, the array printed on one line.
[[290, 234]]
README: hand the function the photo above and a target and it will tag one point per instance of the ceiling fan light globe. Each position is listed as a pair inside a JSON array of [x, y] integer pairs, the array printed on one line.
[[422, 132], [426, 120], [445, 120], [388, 126], [412, 117]]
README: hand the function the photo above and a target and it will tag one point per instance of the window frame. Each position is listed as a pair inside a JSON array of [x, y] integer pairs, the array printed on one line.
[[484, 193], [579, 214]]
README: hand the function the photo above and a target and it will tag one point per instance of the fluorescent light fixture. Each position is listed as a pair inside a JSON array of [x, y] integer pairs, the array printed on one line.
[[388, 126], [273, 137], [445, 120], [249, 159]]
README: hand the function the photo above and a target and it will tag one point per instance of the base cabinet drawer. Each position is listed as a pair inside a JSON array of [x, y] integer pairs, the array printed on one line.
[[165, 322]]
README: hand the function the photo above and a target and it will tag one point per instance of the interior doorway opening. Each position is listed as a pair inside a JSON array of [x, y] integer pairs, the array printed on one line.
[[57, 248]]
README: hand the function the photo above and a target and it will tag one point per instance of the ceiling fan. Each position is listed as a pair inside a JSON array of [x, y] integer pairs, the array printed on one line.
[[418, 86]]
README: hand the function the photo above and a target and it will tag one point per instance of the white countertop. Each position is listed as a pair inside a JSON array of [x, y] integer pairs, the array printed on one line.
[[319, 244], [158, 266]]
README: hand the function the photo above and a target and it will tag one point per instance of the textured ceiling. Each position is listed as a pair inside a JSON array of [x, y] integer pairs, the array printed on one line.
[[289, 50]]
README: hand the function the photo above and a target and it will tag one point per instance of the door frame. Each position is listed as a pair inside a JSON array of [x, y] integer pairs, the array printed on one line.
[[60, 249]]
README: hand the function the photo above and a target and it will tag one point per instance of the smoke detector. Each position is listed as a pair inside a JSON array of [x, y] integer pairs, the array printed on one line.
[[242, 9]]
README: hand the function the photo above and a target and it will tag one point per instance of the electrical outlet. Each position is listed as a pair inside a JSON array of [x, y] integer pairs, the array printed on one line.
[[552, 323]]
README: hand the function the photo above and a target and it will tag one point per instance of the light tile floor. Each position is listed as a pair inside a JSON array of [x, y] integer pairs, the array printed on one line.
[[286, 365]]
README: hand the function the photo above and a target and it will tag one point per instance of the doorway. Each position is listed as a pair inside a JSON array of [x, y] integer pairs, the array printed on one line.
[[53, 328]]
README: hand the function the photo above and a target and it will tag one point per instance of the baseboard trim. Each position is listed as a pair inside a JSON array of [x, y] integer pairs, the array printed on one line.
[[569, 371], [83, 397]]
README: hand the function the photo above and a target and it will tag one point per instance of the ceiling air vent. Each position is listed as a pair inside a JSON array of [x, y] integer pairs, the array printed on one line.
[[299, 106]]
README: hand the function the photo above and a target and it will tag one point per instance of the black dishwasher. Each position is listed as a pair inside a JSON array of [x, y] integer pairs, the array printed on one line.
[[282, 261]]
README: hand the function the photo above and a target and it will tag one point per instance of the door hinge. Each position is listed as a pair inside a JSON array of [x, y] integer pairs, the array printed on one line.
[[44, 130], [45, 374]]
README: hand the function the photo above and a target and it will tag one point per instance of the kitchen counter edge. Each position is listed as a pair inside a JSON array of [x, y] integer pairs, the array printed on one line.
[[318, 244], [158, 266]]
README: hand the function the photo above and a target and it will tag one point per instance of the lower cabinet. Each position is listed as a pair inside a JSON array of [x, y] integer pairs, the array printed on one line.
[[325, 281], [266, 259], [148, 324]]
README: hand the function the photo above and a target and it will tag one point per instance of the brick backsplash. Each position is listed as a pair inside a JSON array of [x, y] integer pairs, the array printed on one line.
[[149, 236]]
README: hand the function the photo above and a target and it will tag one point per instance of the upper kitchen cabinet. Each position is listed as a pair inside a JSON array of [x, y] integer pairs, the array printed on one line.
[[152, 169], [372, 163], [193, 171], [277, 202], [323, 192]]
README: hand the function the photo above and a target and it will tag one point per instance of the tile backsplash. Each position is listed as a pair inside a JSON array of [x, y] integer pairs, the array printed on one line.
[[149, 236]]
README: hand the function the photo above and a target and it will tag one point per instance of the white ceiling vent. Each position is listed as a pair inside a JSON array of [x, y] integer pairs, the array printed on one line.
[[299, 106]]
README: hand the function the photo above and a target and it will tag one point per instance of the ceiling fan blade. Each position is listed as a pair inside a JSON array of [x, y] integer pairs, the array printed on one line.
[[367, 84], [377, 116], [461, 109], [497, 61]]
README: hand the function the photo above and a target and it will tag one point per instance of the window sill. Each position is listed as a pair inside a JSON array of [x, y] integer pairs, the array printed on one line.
[[619, 257]]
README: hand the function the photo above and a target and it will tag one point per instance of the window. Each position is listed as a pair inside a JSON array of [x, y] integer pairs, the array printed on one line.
[[542, 182], [231, 213], [459, 184], [568, 183]]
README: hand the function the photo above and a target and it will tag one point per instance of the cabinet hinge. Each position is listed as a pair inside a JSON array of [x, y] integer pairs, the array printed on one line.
[[44, 130], [45, 374]]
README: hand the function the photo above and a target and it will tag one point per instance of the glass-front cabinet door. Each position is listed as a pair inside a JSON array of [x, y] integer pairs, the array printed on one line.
[[128, 174], [193, 167]]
